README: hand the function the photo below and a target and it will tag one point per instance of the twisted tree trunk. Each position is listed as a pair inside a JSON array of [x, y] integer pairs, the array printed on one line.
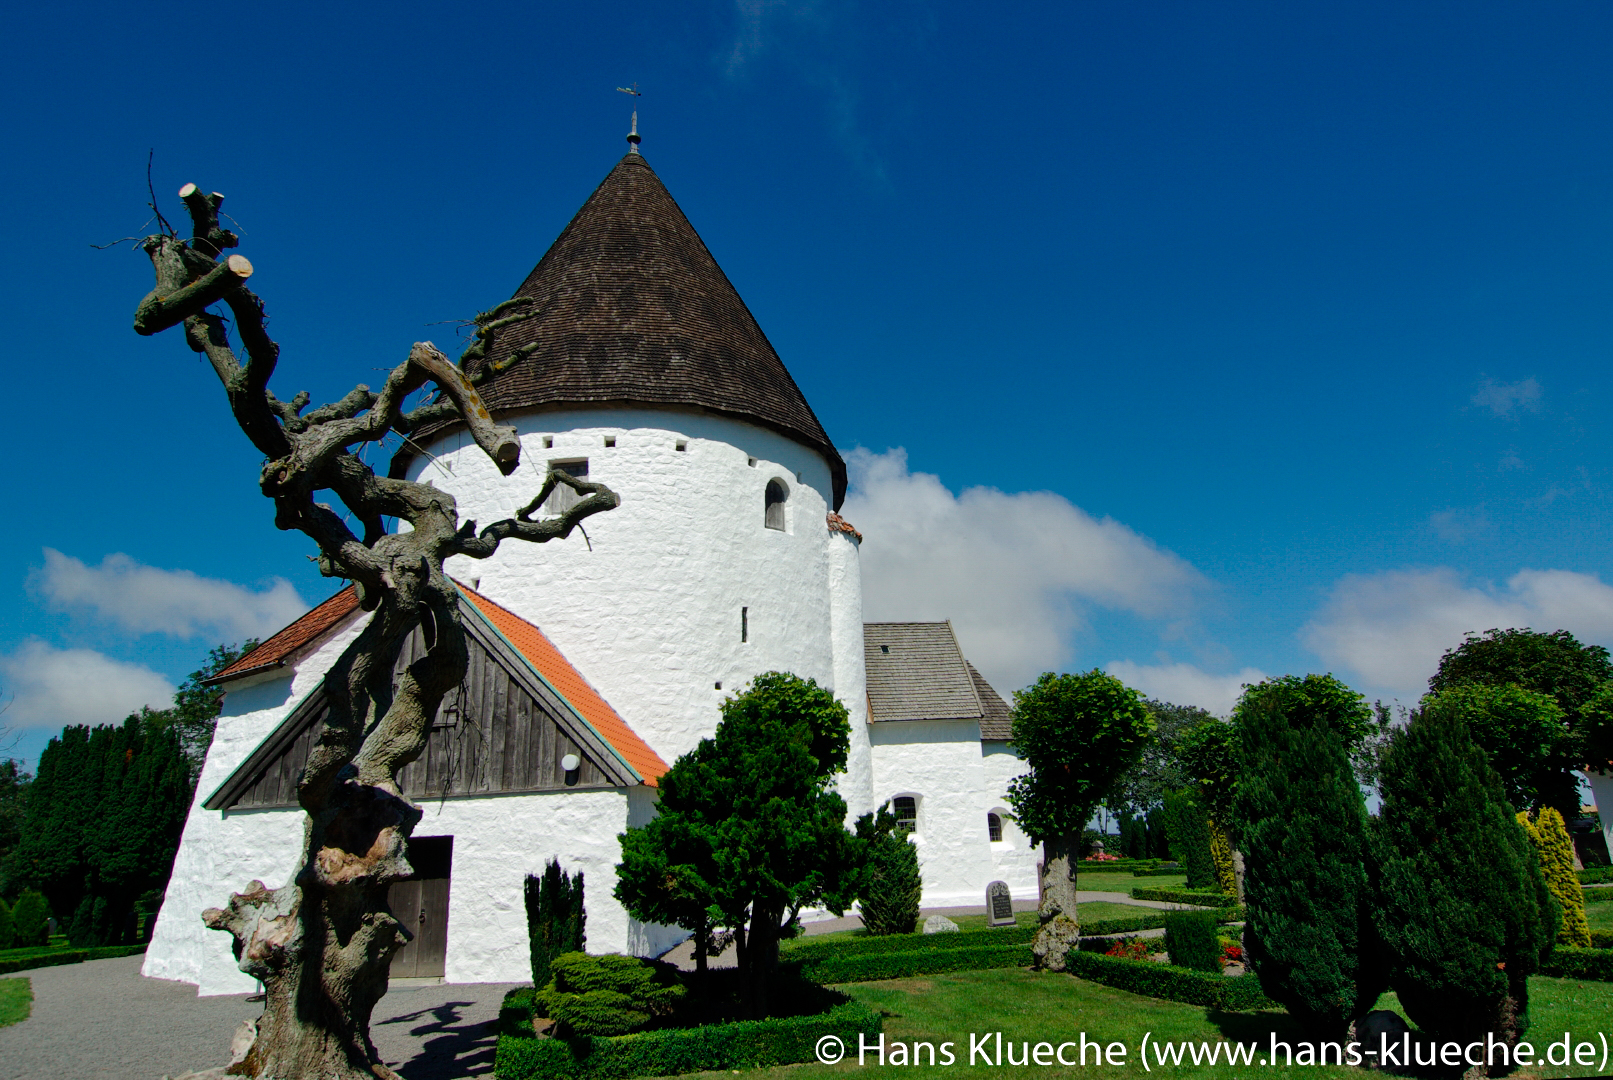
[[323, 943], [1060, 928]]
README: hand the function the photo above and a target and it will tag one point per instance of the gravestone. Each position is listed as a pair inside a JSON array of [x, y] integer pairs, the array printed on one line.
[[940, 924], [999, 905]]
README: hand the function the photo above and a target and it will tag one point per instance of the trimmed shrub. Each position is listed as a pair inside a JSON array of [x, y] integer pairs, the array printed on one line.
[[1309, 935], [1191, 940], [1221, 856], [1570, 963], [813, 949], [555, 918], [1555, 851], [889, 901], [870, 967], [607, 995], [1602, 939], [1172, 983], [1188, 825], [1462, 909], [1595, 875], [58, 957], [1153, 920], [1598, 896], [747, 1044], [30, 920], [1200, 897]]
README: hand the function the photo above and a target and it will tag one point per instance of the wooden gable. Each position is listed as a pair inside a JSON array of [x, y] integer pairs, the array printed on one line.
[[503, 729]]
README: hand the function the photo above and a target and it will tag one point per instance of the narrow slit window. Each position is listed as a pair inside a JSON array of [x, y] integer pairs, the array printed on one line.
[[563, 498], [681, 446], [773, 513], [610, 440], [994, 828], [548, 442], [907, 813], [744, 624]]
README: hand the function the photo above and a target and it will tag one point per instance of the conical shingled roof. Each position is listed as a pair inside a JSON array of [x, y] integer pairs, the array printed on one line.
[[633, 310]]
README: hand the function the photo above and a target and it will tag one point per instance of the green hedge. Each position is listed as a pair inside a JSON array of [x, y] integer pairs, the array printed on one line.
[[746, 1044], [55, 957], [815, 948], [1153, 920], [1114, 866], [1152, 979], [1569, 963], [1602, 939], [1598, 896], [903, 965], [1595, 875], [1203, 898], [1168, 870]]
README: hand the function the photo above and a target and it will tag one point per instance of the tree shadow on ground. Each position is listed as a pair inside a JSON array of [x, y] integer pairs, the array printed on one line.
[[450, 1046]]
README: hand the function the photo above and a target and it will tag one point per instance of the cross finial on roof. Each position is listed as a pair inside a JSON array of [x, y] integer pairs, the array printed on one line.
[[632, 136]]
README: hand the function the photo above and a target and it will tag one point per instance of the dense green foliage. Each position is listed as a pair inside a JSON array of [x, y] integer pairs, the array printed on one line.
[[1596, 730], [1549, 836], [892, 888], [1078, 733], [14, 783], [746, 1044], [1165, 895], [8, 933], [102, 825], [1157, 771], [607, 995], [1303, 829], [1567, 962], [1153, 920], [1522, 731], [750, 828], [1210, 757], [1143, 835], [1461, 907], [1556, 665], [1167, 981], [1192, 940], [1187, 823], [30, 919], [556, 919]]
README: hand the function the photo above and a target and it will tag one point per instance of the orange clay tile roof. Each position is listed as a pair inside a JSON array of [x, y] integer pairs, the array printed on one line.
[[310, 627], [542, 655]]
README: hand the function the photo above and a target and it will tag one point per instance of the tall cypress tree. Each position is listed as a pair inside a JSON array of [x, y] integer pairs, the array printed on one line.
[[555, 919], [1462, 908], [1303, 827]]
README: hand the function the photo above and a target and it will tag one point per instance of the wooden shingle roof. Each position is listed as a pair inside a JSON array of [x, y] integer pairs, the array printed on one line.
[[633, 310], [916, 671]]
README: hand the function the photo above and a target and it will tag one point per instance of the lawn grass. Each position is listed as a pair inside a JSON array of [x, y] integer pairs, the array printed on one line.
[[16, 1001], [1030, 1007], [1600, 916], [1123, 883]]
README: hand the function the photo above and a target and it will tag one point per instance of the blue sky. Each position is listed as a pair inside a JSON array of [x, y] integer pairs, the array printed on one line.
[[1216, 340]]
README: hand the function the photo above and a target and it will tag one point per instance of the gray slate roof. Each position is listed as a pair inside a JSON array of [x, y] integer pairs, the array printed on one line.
[[916, 671], [633, 310]]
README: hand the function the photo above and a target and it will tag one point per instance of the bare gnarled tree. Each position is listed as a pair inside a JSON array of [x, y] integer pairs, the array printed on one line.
[[322, 944]]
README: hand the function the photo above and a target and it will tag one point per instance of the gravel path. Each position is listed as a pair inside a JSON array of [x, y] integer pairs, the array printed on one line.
[[103, 1020]]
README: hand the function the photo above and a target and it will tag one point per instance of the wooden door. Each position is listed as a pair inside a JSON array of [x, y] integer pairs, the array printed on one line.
[[421, 904]]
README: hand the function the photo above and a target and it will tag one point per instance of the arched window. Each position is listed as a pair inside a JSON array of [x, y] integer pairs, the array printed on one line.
[[773, 517], [994, 828], [907, 813]]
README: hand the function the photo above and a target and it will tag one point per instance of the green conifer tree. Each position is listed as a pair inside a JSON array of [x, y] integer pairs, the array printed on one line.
[[1187, 827], [893, 887], [8, 931], [30, 920], [1555, 850], [555, 918], [1461, 906], [1303, 819]]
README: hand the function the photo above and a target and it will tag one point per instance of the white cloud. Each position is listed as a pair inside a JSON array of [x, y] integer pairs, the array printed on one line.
[[1184, 684], [1014, 572], [51, 687], [1502, 398], [1390, 629], [179, 603]]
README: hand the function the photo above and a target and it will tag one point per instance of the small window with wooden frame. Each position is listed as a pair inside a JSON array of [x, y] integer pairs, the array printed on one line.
[[563, 498], [906, 809]]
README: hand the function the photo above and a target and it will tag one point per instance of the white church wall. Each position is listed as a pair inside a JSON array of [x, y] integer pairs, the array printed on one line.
[[856, 784], [938, 762], [220, 851], [1015, 858], [652, 614]]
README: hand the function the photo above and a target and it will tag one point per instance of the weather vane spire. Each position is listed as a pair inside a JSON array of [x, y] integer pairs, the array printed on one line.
[[632, 136]]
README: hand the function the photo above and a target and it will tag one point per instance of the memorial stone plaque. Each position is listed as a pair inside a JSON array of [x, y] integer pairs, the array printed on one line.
[[999, 905]]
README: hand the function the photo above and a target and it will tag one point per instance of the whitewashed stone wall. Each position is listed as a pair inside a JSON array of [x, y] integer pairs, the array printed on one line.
[[1015, 859], [652, 614]]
